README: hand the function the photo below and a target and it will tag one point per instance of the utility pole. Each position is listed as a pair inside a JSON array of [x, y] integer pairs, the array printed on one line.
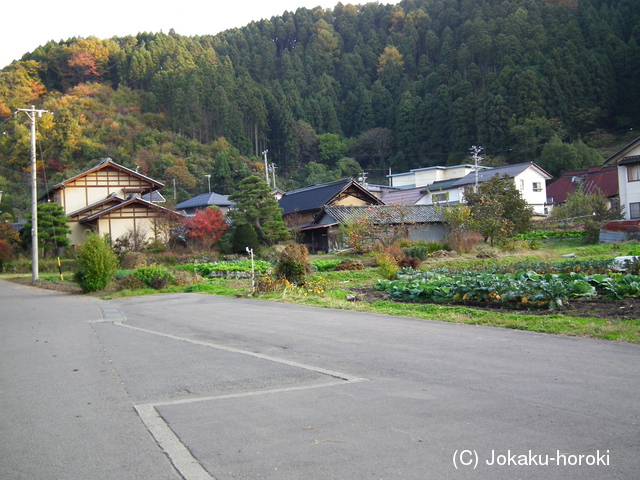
[[266, 168], [272, 168], [477, 159], [209, 181], [32, 113]]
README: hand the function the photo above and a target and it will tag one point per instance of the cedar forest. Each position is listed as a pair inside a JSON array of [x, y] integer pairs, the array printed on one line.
[[331, 93]]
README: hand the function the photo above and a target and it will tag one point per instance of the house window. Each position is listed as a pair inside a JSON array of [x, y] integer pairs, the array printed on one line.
[[634, 210], [521, 185], [537, 186], [633, 173], [439, 197]]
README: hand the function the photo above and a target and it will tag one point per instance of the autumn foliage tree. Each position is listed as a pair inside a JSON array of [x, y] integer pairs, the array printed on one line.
[[207, 225], [498, 210]]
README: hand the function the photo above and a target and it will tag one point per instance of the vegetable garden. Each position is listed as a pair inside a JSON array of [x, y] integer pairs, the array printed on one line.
[[526, 288]]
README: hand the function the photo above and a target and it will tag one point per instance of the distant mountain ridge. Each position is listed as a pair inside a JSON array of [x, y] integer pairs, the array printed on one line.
[[389, 86]]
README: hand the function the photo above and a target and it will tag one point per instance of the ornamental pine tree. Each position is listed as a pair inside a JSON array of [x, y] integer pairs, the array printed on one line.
[[53, 230], [256, 206]]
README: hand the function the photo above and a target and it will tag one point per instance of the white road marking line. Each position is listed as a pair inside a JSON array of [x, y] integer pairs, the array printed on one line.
[[181, 458], [184, 462], [324, 371]]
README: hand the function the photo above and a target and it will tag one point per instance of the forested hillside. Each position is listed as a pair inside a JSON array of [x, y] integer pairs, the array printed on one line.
[[387, 86]]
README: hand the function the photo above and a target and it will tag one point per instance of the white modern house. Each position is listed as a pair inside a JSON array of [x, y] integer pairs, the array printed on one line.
[[628, 162], [421, 177], [529, 179]]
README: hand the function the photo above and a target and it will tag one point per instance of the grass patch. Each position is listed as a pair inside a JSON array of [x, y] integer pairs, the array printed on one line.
[[328, 289]]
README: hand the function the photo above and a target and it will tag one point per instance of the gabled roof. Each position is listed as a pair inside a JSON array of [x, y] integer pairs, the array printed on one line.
[[603, 178], [384, 214], [106, 163], [112, 199], [510, 170], [133, 200], [206, 200], [155, 196], [623, 152], [316, 196], [408, 196]]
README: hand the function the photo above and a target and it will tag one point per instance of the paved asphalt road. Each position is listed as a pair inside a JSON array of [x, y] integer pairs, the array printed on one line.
[[199, 387]]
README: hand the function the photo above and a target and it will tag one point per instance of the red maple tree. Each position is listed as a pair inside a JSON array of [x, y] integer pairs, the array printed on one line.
[[208, 225]]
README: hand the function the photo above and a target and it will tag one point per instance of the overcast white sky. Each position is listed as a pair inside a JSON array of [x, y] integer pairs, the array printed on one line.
[[27, 25]]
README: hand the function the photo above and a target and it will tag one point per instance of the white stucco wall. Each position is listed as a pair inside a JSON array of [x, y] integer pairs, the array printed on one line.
[[454, 195], [629, 191], [524, 183]]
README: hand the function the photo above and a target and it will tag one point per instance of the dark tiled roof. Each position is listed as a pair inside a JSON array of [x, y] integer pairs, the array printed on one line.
[[205, 200], [316, 196], [386, 214], [630, 160], [442, 185]]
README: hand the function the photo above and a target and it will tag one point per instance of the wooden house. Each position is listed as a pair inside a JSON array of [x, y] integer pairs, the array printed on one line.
[[108, 199], [300, 208]]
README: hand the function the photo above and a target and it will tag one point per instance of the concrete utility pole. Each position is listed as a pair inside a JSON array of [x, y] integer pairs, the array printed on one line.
[[266, 168], [477, 159], [209, 182], [32, 113], [272, 169]]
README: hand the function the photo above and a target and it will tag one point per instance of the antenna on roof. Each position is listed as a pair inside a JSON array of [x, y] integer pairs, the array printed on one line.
[[477, 159]]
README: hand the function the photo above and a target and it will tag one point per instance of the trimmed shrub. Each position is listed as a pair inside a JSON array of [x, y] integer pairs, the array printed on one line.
[[245, 236], [154, 276], [96, 263]]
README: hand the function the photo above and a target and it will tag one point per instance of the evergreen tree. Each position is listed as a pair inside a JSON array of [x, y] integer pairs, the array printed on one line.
[[53, 230], [256, 206]]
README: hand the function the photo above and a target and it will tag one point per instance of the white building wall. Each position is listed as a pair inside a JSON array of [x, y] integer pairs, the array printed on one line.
[[533, 188], [454, 195], [403, 180], [629, 192], [422, 177]]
